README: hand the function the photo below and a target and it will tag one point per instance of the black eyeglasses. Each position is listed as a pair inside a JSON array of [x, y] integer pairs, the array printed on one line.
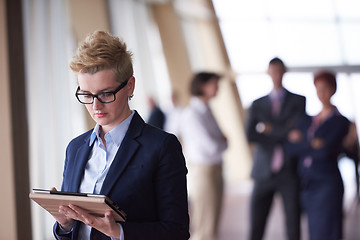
[[104, 97]]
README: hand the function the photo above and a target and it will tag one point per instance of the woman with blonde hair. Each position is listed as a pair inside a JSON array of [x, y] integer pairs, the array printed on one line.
[[140, 167]]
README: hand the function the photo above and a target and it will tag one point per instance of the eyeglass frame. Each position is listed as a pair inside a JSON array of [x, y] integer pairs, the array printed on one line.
[[122, 85]]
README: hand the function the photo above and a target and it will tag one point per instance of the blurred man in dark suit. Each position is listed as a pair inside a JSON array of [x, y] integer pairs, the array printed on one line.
[[270, 119]]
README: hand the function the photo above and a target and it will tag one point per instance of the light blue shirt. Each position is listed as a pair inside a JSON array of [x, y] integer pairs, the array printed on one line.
[[99, 163]]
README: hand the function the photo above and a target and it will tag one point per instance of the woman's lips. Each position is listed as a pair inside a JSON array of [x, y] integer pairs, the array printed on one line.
[[100, 115]]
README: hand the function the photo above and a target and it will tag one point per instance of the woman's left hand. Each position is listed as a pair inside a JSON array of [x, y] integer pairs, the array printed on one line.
[[106, 224], [295, 136], [317, 143]]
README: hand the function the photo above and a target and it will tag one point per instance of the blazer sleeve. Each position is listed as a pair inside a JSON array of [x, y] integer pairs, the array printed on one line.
[[257, 114], [171, 197], [332, 135], [294, 112]]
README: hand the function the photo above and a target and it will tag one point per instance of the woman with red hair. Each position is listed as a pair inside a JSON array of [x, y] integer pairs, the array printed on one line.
[[317, 143]]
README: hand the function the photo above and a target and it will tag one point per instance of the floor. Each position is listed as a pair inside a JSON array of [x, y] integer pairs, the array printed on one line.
[[234, 221]]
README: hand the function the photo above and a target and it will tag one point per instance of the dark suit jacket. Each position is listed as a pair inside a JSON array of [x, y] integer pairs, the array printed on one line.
[[325, 159], [321, 183], [292, 109], [147, 180]]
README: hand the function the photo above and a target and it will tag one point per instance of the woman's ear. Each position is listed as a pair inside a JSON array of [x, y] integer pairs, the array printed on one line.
[[131, 86]]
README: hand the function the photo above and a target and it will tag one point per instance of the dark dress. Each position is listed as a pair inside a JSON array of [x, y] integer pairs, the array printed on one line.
[[322, 187]]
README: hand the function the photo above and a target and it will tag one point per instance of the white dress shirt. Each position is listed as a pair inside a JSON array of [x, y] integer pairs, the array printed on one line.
[[201, 136], [173, 121]]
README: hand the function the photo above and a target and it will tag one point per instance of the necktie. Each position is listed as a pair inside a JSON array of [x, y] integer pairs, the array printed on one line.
[[278, 155], [277, 159], [276, 105]]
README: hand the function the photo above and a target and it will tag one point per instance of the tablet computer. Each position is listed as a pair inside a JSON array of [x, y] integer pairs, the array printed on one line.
[[95, 204]]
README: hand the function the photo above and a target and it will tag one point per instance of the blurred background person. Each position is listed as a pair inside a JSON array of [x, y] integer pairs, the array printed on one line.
[[270, 119], [318, 143], [351, 149], [157, 116], [173, 116], [204, 144]]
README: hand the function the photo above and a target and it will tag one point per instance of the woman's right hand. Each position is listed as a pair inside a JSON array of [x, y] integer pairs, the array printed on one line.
[[65, 222], [295, 136], [317, 143]]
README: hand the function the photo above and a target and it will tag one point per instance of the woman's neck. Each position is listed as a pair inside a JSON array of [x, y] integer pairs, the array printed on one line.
[[326, 111], [102, 136], [204, 99]]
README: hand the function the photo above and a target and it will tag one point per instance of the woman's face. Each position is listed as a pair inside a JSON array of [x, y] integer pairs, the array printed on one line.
[[210, 88], [324, 91], [108, 115]]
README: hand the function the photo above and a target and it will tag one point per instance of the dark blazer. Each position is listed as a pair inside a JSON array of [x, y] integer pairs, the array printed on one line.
[[292, 109], [321, 183], [325, 159], [147, 180]]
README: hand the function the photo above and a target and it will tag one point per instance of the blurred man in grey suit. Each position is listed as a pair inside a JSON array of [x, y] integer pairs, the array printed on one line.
[[269, 121]]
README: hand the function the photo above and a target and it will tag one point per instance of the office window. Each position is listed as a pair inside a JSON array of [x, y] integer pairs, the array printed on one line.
[[307, 35]]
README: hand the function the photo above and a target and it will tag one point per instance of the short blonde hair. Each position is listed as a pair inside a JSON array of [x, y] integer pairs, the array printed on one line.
[[101, 50]]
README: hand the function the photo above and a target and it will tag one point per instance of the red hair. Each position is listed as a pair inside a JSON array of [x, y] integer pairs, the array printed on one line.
[[328, 77]]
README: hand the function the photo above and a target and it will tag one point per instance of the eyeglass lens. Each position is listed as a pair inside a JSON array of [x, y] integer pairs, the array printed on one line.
[[105, 97]]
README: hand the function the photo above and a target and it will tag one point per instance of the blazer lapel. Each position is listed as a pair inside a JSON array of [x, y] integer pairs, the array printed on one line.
[[286, 102], [82, 155], [127, 149], [267, 108]]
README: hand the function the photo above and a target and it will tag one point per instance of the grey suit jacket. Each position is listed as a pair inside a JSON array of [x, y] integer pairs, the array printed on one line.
[[292, 109]]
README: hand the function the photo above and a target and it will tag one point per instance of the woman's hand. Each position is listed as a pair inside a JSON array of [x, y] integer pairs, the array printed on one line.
[[106, 224], [263, 128], [295, 136], [65, 222], [317, 143]]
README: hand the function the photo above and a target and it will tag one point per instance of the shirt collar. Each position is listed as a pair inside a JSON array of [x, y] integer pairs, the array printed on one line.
[[279, 94], [198, 104], [116, 134]]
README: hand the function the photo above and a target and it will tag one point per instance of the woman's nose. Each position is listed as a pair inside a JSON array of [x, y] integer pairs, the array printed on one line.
[[97, 104]]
